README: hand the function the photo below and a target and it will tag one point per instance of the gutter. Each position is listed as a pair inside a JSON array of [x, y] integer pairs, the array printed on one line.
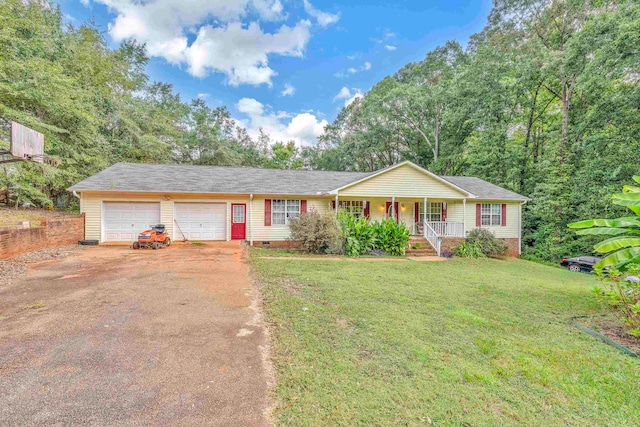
[[520, 225]]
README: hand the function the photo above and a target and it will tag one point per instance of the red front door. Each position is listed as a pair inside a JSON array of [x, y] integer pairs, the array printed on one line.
[[238, 221], [395, 209]]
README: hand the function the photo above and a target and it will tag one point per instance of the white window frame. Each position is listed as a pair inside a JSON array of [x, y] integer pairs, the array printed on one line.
[[290, 209], [434, 210], [354, 207], [491, 214]]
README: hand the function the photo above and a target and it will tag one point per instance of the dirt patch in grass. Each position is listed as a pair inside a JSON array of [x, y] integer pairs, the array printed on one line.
[[617, 332]]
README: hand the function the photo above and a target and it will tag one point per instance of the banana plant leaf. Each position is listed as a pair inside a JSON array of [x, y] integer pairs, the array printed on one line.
[[626, 199], [628, 221], [636, 178], [606, 231], [631, 189], [616, 243], [620, 258]]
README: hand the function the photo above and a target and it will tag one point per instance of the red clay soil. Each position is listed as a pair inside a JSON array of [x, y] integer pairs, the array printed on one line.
[[114, 336], [617, 332]]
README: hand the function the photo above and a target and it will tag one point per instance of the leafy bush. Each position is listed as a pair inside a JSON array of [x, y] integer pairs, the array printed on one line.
[[623, 293], [390, 236], [446, 254], [487, 242], [318, 233], [358, 235], [469, 250], [362, 237]]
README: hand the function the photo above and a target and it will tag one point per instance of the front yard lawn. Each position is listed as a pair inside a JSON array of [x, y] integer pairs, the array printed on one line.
[[464, 342]]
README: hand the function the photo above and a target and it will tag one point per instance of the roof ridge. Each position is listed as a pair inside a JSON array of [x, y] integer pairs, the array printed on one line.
[[236, 167]]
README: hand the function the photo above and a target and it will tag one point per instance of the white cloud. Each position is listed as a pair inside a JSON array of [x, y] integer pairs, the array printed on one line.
[[204, 95], [349, 95], [356, 95], [269, 10], [242, 53], [390, 47], [352, 70], [288, 90], [303, 128], [343, 94], [324, 18], [222, 43]]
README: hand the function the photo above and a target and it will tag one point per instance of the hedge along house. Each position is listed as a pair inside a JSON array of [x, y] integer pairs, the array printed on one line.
[[256, 205]]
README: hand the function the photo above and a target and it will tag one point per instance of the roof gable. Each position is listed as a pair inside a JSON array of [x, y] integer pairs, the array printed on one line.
[[405, 179]]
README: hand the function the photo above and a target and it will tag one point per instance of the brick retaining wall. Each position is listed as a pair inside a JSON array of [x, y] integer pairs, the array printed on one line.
[[51, 233]]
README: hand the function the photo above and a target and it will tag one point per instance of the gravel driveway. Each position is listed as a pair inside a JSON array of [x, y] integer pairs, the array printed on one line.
[[112, 336]]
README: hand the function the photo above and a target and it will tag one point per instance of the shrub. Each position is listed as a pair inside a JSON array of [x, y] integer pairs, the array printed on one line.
[[623, 294], [469, 250], [487, 242], [317, 232], [446, 254], [362, 237], [390, 236], [358, 235]]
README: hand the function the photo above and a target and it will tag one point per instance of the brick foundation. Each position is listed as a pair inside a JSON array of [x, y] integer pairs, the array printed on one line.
[[16, 240], [450, 243], [278, 244]]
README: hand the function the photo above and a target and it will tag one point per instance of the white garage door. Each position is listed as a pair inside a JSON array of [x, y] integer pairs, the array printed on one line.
[[201, 221], [124, 220]]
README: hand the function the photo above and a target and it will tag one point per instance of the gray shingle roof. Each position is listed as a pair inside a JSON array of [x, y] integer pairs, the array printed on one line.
[[214, 179], [483, 189], [241, 180]]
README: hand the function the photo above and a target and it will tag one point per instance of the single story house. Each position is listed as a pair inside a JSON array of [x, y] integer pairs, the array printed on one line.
[[256, 205]]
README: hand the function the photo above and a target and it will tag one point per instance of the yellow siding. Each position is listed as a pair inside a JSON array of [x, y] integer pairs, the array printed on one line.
[[404, 181], [511, 230], [280, 232], [91, 205]]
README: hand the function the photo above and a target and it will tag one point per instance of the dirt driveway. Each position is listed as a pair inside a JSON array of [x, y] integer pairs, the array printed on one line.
[[113, 336]]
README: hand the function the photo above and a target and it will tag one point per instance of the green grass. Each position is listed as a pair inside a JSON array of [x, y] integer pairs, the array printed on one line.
[[35, 306], [465, 342]]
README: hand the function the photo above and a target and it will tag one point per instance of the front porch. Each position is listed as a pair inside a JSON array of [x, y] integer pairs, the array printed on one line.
[[432, 219]]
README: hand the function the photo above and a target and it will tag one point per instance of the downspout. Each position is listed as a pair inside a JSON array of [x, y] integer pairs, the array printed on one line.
[[520, 226], [250, 219], [79, 199]]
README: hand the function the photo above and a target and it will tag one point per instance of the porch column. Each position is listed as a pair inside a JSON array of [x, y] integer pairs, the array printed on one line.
[[336, 209], [250, 219], [424, 216], [393, 208], [464, 217]]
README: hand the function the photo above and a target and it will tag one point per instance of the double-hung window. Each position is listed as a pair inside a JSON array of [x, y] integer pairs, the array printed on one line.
[[434, 211], [282, 211], [491, 214], [354, 207]]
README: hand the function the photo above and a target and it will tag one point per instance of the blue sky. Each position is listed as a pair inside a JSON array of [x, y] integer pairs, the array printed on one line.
[[287, 66]]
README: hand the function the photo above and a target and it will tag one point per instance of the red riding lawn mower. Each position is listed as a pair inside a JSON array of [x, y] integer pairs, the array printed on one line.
[[155, 238]]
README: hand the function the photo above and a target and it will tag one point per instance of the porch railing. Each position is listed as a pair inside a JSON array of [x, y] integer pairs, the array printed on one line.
[[447, 229], [433, 238], [434, 231]]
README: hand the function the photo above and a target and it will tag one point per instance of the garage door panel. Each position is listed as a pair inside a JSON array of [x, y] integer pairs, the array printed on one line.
[[201, 221], [123, 221]]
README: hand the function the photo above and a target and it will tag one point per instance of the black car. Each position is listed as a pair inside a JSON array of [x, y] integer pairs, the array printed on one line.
[[580, 264]]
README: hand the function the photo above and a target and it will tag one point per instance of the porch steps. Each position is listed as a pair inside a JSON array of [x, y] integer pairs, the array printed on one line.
[[424, 248]]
